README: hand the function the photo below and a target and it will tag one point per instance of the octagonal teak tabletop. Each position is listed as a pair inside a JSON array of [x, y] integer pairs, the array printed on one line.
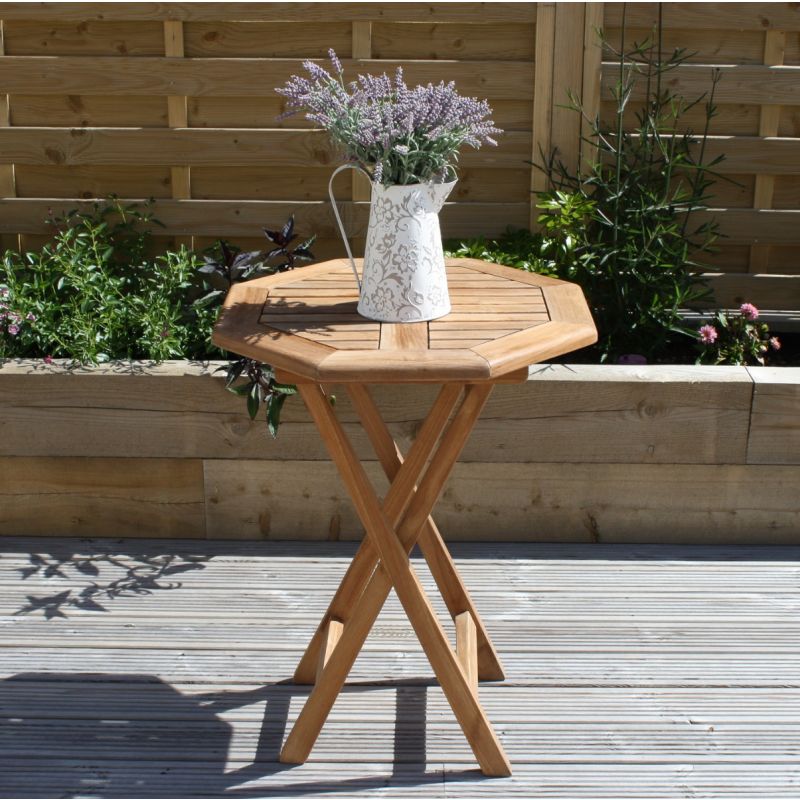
[[305, 324]]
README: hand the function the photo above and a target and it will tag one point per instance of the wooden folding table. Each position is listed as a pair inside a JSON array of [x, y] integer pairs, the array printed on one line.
[[304, 323]]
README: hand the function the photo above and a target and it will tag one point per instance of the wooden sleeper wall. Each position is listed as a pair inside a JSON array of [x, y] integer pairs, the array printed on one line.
[[580, 453]]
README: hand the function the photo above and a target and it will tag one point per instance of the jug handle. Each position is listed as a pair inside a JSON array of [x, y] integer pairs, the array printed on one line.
[[339, 219]]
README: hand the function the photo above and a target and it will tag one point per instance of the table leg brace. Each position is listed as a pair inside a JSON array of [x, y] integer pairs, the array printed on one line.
[[396, 570], [366, 559]]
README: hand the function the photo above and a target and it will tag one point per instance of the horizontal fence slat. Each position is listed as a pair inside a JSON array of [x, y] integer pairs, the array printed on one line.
[[775, 292], [246, 218], [707, 16], [745, 83], [223, 217], [753, 155], [302, 148], [762, 155], [754, 225], [290, 12], [209, 146], [251, 77]]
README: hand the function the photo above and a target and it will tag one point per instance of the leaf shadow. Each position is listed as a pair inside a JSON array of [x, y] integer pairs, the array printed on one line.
[[131, 576]]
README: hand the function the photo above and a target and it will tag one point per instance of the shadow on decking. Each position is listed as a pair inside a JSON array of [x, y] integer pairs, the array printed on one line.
[[117, 735], [137, 573]]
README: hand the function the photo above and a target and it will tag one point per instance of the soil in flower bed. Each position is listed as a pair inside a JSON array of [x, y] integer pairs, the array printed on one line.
[[686, 353]]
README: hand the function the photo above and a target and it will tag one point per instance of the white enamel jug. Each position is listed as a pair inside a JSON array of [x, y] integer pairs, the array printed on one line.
[[403, 279]]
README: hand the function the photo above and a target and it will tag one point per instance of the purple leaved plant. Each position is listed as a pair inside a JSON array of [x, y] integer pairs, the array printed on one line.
[[398, 134]]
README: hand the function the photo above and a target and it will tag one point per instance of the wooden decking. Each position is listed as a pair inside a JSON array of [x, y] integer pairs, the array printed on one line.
[[160, 669]]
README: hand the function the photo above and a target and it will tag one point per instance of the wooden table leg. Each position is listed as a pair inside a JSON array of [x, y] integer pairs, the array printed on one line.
[[440, 562], [366, 559], [396, 570]]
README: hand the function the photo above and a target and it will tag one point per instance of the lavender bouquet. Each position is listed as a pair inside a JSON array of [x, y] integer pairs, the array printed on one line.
[[399, 135]]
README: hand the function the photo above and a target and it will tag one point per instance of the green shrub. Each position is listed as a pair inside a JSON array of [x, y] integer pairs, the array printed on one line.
[[92, 294], [624, 226]]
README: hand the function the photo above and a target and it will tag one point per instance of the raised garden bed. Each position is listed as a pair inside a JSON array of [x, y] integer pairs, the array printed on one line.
[[578, 453]]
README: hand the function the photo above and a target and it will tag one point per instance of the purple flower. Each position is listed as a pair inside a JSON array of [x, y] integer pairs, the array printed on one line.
[[403, 135], [48, 359], [708, 334], [13, 330], [337, 65], [748, 311], [775, 343], [30, 317]]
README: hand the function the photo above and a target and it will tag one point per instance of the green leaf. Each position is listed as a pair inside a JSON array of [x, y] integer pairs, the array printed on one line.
[[274, 413], [242, 390], [234, 371], [253, 400]]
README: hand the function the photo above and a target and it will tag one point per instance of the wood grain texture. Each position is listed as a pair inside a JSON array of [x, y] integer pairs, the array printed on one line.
[[333, 632], [547, 317], [567, 81], [592, 65], [275, 147], [232, 218], [440, 563], [630, 684], [739, 84], [277, 12], [8, 187], [773, 291], [361, 47], [102, 496], [467, 647], [608, 695], [732, 504], [253, 77], [403, 475], [542, 100], [739, 16], [774, 430], [497, 41], [396, 572], [100, 66], [768, 125], [567, 413]]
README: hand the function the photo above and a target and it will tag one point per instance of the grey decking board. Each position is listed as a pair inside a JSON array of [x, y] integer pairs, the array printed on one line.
[[621, 682]]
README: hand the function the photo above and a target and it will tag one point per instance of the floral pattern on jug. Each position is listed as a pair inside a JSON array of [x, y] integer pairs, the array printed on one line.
[[404, 278]]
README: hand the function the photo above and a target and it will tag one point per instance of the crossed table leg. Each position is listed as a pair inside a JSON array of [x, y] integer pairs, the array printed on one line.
[[382, 562]]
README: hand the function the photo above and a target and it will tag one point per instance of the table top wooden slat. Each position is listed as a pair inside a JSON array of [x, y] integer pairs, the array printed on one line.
[[305, 322]]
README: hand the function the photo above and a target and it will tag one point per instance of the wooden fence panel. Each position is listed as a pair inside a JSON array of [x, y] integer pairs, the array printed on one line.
[[756, 48], [176, 101]]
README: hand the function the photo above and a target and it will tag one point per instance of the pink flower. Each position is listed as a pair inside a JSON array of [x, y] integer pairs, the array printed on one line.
[[30, 317], [708, 334], [775, 343], [48, 359], [13, 330], [748, 311]]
